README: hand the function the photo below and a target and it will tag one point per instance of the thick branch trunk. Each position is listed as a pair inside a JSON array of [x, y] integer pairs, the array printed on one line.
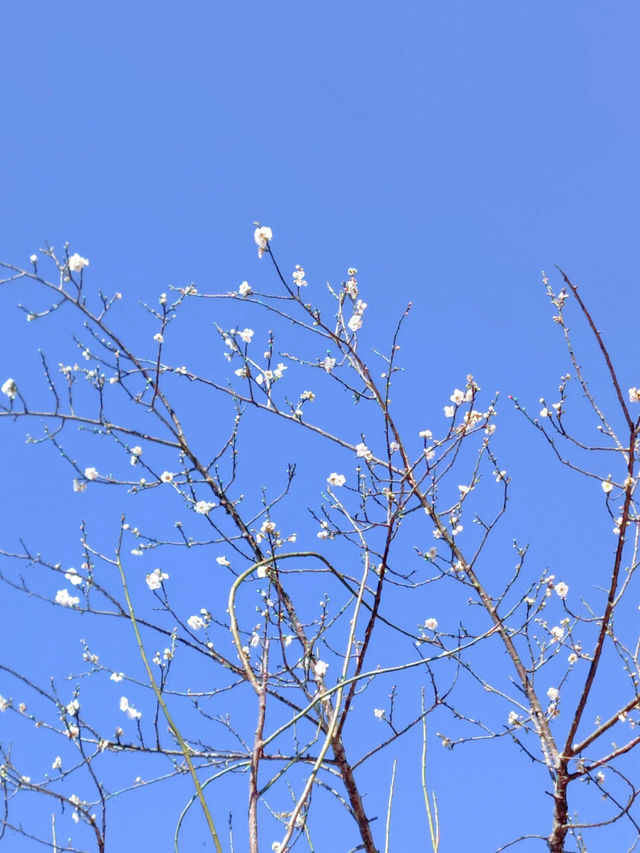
[[354, 796], [560, 816]]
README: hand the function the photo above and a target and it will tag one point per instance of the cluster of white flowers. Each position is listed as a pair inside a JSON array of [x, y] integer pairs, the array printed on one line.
[[634, 395], [336, 479], [77, 263], [298, 276], [553, 693], [351, 285], [355, 323], [65, 599], [327, 363], [557, 633], [203, 507], [73, 577], [363, 452], [155, 579], [320, 668], [129, 709], [459, 397], [136, 452], [262, 235], [10, 388]]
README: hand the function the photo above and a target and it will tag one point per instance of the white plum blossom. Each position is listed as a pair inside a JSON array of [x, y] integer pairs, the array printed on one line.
[[561, 589], [355, 323], [66, 600], [363, 452], [557, 633], [267, 527], [545, 413], [72, 708], [91, 473], [10, 388], [513, 718], [195, 623], [336, 479], [553, 693], [328, 364], [425, 433], [378, 713], [244, 289], [320, 668], [607, 486], [129, 709], [77, 263], [166, 476], [116, 676], [262, 235], [573, 657], [464, 490], [57, 763], [222, 561], [73, 577], [431, 624], [158, 338], [203, 507], [33, 259], [393, 446], [449, 411], [4, 704], [459, 396], [155, 579], [246, 335], [634, 395], [298, 276]]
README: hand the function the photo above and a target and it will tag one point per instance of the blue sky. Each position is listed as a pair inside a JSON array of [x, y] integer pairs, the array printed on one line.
[[450, 151]]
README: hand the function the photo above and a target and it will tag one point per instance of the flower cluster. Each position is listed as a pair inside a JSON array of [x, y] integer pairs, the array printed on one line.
[[298, 276], [262, 235]]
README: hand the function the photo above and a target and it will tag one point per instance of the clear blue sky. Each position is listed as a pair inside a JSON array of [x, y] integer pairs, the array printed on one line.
[[450, 151]]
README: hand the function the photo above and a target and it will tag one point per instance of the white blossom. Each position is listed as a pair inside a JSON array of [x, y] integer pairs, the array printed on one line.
[[336, 479], [363, 452], [298, 276], [158, 338], [155, 579], [561, 589], [355, 323], [129, 709], [449, 411], [166, 476], [73, 577], [195, 623], [77, 263], [431, 624], [116, 676], [634, 395], [553, 693], [91, 473], [4, 704], [203, 507], [222, 561], [57, 763], [328, 363], [378, 713], [513, 718], [320, 668], [262, 235], [10, 389], [246, 335], [244, 289], [607, 486], [66, 600]]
